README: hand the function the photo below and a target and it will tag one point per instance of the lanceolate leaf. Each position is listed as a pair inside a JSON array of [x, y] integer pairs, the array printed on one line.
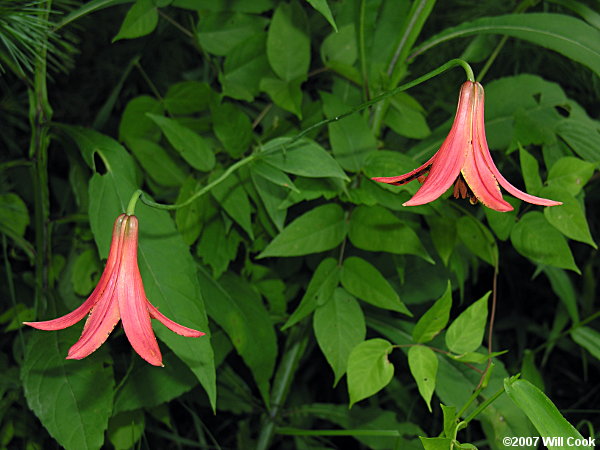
[[72, 399], [369, 369], [565, 34], [435, 319], [167, 267], [466, 332], [423, 365]]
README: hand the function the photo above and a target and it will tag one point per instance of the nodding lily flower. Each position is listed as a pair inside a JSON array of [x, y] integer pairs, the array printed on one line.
[[464, 160], [119, 295]]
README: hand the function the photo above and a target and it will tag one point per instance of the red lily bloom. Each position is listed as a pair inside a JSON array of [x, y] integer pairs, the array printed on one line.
[[118, 295], [464, 160]]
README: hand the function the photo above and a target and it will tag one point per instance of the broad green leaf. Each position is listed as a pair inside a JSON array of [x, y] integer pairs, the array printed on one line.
[[141, 19], [323, 7], [588, 338], [364, 280], [534, 238], [369, 369], [218, 246], [465, 333], [273, 174], [134, 121], [340, 47], [435, 319], [219, 33], [240, 312], [502, 223], [288, 42], [317, 230], [544, 415], [423, 364], [125, 429], [449, 413], [244, 67], [303, 157], [351, 139], [233, 128], [13, 213], [531, 171], [255, 6], [166, 265], [146, 386], [272, 196], [582, 136], [191, 146], [233, 199], [339, 326], [72, 399], [570, 174], [320, 290], [190, 219], [156, 162], [478, 239], [436, 443], [567, 35], [376, 229], [86, 271], [568, 218], [406, 117], [443, 234], [285, 94], [188, 97], [530, 372]]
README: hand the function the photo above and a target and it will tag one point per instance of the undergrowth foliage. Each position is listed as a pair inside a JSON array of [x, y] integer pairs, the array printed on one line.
[[335, 317]]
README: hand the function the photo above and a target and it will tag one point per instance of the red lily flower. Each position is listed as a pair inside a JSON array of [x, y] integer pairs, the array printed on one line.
[[118, 295], [464, 160]]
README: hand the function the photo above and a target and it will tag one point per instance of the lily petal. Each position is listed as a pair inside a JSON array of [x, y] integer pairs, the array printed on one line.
[[407, 177], [171, 325], [485, 151], [133, 305]]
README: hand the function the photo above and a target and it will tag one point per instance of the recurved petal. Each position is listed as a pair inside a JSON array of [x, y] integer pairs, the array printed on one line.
[[407, 177], [487, 157], [132, 300], [67, 320], [171, 325]]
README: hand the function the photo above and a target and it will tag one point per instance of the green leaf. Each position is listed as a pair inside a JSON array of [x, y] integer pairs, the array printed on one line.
[[588, 338], [369, 369], [190, 145], [244, 67], [339, 326], [465, 334], [340, 47], [320, 290], [240, 312], [563, 287], [502, 223], [288, 42], [272, 196], [570, 174], [423, 364], [303, 157], [233, 128], [72, 399], [364, 280], [274, 175], [188, 97], [531, 171], [534, 238], [435, 319], [406, 117], [13, 213], [191, 218], [233, 199], [86, 270], [583, 136], [219, 33], [478, 239], [285, 94], [320, 229], [544, 415], [351, 139], [146, 386], [568, 218], [156, 162], [255, 6], [437, 443], [167, 267], [376, 229], [218, 246], [323, 7], [443, 234], [125, 429], [134, 121], [141, 19], [567, 35], [450, 422]]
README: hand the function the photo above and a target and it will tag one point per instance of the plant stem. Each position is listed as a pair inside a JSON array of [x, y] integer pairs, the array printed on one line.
[[297, 341], [40, 114]]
